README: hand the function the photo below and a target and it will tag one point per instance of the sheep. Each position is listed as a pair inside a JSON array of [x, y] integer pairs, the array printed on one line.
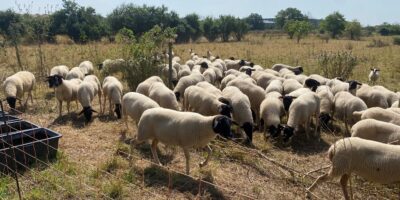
[[344, 106], [375, 130], [265, 79], [374, 161], [379, 114], [297, 70], [241, 109], [165, 73], [312, 84], [270, 71], [288, 98], [86, 67], [109, 66], [394, 109], [372, 97], [232, 71], [256, 67], [199, 100], [143, 87], [184, 129], [16, 85], [322, 80], [373, 75], [210, 88], [271, 111], [184, 70], [396, 104], [61, 70], [290, 85], [134, 104], [190, 63], [88, 89], [391, 97], [300, 113], [75, 72], [326, 104], [163, 96], [185, 82], [112, 90], [176, 59], [274, 86], [65, 90], [350, 86], [226, 80], [210, 76], [234, 64]]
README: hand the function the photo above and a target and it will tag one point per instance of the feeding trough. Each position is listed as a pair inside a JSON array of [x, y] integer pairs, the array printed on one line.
[[14, 127]]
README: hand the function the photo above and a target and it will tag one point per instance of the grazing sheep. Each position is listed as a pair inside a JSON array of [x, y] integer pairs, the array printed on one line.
[[350, 86], [233, 72], [88, 89], [372, 97], [273, 72], [322, 80], [61, 70], [112, 90], [16, 85], [109, 66], [163, 96], [184, 70], [274, 86], [379, 114], [271, 111], [396, 104], [210, 88], [210, 76], [290, 85], [297, 70], [391, 97], [344, 106], [234, 64], [265, 79], [143, 87], [190, 63], [65, 90], [288, 99], [185, 82], [86, 67], [226, 80], [300, 113], [326, 104], [241, 109], [174, 77], [312, 84], [394, 109], [375, 130], [184, 129], [75, 72], [373, 75], [134, 104], [374, 161]]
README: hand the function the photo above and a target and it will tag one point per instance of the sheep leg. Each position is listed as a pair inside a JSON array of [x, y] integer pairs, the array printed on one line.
[[60, 108], [343, 183], [316, 131], [104, 103], [187, 156], [30, 95], [101, 109], [307, 128], [68, 103], [319, 179], [154, 151], [110, 106], [209, 151]]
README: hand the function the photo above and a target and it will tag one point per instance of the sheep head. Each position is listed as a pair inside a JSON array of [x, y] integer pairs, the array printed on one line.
[[87, 112], [222, 126], [248, 129], [117, 110], [11, 101], [287, 133]]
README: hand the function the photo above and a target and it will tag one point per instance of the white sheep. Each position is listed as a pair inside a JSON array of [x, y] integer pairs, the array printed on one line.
[[190, 63], [290, 85], [61, 70], [234, 64], [396, 104], [185, 82], [86, 67], [184, 70], [209, 75], [109, 66], [344, 106], [134, 104], [88, 89], [65, 90], [279, 67], [174, 75], [374, 161], [265, 79], [326, 104], [372, 97], [143, 87], [75, 72], [322, 80], [394, 109], [163, 96], [350, 86], [16, 85], [210, 88], [373, 75], [271, 111], [233, 72], [375, 130], [391, 96], [226, 80], [379, 114], [112, 90], [184, 129], [274, 86]]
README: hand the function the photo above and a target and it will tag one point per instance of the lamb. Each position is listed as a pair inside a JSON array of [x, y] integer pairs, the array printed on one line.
[[297, 70], [61, 70], [65, 90], [373, 75], [184, 129], [375, 130], [143, 87], [15, 86], [109, 66], [274, 86], [271, 111], [86, 67], [134, 104], [290, 85], [326, 104], [374, 161], [185, 82], [88, 89], [241, 109], [300, 113], [163, 96], [112, 90], [379, 114], [174, 77], [75, 72], [344, 106], [372, 97]]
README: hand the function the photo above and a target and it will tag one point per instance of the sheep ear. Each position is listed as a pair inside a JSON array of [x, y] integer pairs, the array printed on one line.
[[224, 100], [371, 69], [83, 110], [94, 111]]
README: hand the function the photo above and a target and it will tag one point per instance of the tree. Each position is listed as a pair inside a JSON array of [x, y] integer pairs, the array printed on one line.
[[298, 29], [353, 30], [289, 14], [334, 24], [12, 29], [192, 20], [255, 21], [240, 29], [226, 24], [210, 29]]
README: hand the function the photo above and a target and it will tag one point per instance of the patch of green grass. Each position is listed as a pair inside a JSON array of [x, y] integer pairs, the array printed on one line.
[[111, 165], [114, 190], [131, 175], [5, 186], [35, 194]]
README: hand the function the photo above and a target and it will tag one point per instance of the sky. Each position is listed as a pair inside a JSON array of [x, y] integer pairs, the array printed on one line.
[[368, 12]]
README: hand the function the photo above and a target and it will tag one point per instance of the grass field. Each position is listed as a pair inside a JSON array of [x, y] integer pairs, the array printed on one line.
[[96, 161]]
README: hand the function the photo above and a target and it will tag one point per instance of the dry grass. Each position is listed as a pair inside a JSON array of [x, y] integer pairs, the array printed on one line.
[[94, 162]]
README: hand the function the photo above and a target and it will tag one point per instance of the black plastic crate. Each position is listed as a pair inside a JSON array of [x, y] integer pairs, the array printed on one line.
[[8, 118], [15, 126], [28, 146]]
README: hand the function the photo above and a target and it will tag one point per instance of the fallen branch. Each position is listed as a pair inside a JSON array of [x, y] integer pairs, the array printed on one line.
[[316, 170]]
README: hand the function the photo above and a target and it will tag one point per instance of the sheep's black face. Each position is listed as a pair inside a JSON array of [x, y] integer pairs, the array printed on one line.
[[177, 95], [117, 110], [324, 118], [248, 129], [248, 71], [287, 133], [100, 66], [287, 101], [312, 83], [231, 58], [242, 63], [275, 131], [204, 65], [298, 71], [353, 84], [225, 110], [251, 64], [54, 81], [87, 112], [222, 126], [11, 101]]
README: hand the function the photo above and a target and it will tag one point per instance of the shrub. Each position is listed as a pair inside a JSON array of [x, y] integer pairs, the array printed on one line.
[[377, 43], [396, 40], [337, 64]]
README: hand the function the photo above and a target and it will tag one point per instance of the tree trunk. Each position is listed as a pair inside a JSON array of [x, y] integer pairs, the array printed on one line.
[[298, 39], [17, 55]]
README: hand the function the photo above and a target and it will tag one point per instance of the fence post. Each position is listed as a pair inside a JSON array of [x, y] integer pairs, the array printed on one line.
[[170, 65]]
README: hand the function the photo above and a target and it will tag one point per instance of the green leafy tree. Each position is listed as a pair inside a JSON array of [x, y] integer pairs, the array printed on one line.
[[210, 29], [226, 25], [298, 29], [255, 21], [353, 30], [192, 20], [240, 29], [289, 14], [334, 23], [183, 31]]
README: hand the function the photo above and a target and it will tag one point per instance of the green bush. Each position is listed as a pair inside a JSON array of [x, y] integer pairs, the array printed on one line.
[[396, 40], [337, 64]]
